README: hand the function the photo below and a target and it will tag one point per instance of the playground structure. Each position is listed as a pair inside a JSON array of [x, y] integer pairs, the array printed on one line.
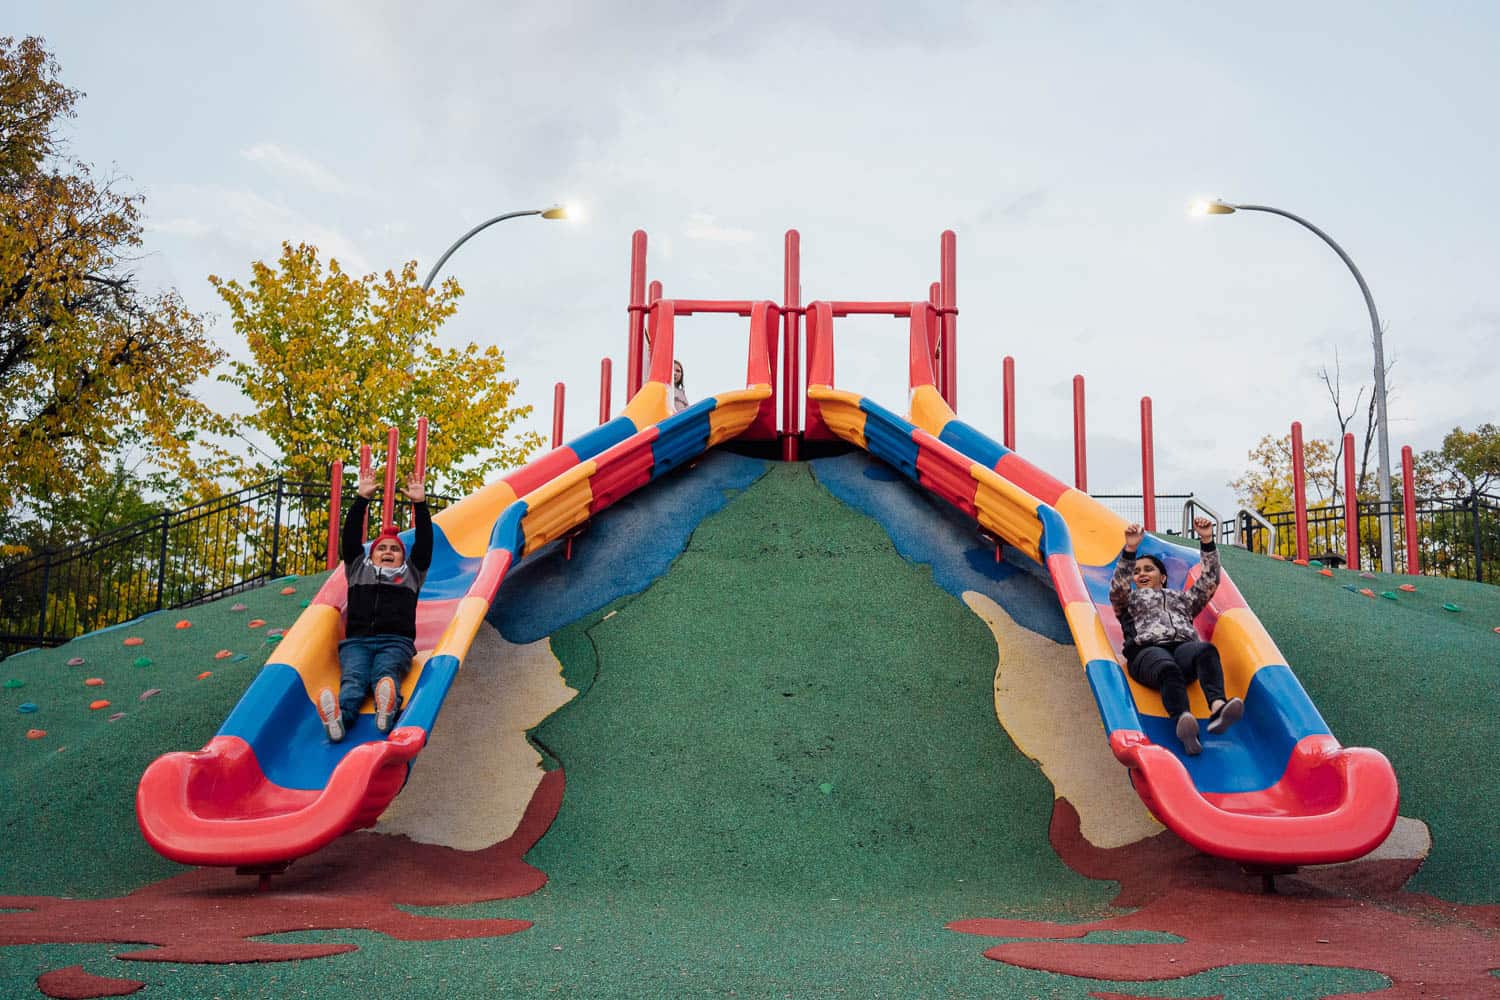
[[1277, 791]]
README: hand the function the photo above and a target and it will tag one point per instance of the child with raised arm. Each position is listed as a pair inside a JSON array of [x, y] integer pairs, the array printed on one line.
[[1162, 648], [381, 631]]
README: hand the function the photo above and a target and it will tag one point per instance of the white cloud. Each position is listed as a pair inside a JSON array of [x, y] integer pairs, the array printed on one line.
[[250, 221], [289, 163]]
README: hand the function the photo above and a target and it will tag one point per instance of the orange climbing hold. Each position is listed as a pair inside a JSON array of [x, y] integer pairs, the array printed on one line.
[[184, 624], [223, 654], [205, 675], [95, 682], [35, 734], [1280, 558], [1299, 562], [94, 706], [1325, 572], [135, 640], [1408, 588], [1367, 592], [288, 590], [256, 622]]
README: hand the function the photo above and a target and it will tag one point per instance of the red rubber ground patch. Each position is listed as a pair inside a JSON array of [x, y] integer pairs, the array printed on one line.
[[73, 983], [1425, 946], [209, 915]]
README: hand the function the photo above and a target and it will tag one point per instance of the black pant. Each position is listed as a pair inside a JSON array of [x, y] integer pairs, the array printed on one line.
[[1171, 667]]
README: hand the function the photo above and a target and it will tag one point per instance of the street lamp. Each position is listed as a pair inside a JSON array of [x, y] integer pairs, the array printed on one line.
[[1220, 207], [555, 212]]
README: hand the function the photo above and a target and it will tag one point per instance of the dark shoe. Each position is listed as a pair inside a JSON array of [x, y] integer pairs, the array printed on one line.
[[1227, 715], [385, 704], [333, 718], [1187, 732]]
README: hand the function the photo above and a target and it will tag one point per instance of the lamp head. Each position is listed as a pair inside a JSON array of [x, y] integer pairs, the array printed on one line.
[[1215, 207], [555, 212]]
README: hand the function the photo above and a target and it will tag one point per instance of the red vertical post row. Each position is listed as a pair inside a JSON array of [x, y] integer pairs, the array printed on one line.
[[791, 313], [1409, 509], [388, 502], [938, 347], [558, 391], [1351, 506], [606, 375], [1008, 403], [949, 244], [1080, 448], [1148, 465], [635, 349], [335, 504], [1299, 490], [365, 468]]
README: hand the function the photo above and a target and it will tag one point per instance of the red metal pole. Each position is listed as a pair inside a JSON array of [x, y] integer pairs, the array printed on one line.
[[1351, 506], [940, 347], [1409, 509], [1148, 465], [1299, 490], [1080, 449], [1009, 402], [365, 467], [653, 292], [637, 308], [606, 375], [950, 317], [388, 502], [419, 461], [557, 415], [335, 504], [791, 297]]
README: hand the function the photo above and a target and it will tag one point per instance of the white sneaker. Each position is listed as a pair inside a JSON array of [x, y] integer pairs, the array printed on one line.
[[1187, 732], [333, 719]]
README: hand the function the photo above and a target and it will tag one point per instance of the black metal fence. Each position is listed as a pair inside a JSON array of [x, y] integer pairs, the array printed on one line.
[[178, 558], [1457, 537], [1132, 507]]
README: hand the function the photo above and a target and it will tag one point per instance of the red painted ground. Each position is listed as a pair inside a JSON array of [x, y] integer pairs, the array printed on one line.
[[1425, 946], [73, 983], [210, 914]]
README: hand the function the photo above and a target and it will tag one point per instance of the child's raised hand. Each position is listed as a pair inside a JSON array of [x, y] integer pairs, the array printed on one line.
[[415, 491], [1133, 535], [367, 481], [1205, 529]]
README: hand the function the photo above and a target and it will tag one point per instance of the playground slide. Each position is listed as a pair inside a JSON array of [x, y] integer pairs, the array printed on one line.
[[271, 787], [1275, 790]]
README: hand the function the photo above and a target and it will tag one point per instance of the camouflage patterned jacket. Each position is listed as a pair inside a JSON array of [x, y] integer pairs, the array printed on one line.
[[1154, 617]]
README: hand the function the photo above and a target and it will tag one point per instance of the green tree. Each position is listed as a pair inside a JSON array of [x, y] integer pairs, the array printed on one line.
[[336, 359], [1468, 462], [1266, 486], [89, 362]]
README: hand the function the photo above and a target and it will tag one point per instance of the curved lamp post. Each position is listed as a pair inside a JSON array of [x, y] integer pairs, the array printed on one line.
[[1218, 207], [555, 212]]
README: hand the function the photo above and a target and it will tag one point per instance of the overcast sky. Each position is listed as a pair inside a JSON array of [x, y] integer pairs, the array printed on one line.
[[1063, 142]]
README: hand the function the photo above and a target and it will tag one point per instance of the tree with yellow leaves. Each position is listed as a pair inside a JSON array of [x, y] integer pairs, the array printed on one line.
[[336, 359]]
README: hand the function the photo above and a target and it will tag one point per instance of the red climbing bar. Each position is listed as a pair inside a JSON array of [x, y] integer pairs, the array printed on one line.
[[949, 252], [606, 375], [1080, 449], [388, 502], [898, 309], [558, 391], [791, 312], [1299, 490], [686, 307], [1409, 509], [1351, 506], [635, 350], [335, 504], [1148, 465], [1008, 402]]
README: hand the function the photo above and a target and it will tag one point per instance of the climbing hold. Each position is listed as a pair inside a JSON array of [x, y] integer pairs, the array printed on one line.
[[257, 622], [148, 693], [242, 656], [141, 661], [15, 683], [1496, 630], [35, 734], [274, 638], [826, 788], [1451, 607], [94, 706], [1389, 595], [1325, 572], [135, 640], [184, 624], [302, 604], [223, 654], [1366, 591], [1299, 562], [288, 590], [205, 675], [1277, 556], [1407, 588], [1351, 588], [1315, 563], [76, 661], [1367, 575], [116, 717], [26, 707], [239, 607], [95, 682]]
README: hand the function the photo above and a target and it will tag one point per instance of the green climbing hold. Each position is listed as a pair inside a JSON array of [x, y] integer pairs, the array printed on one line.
[[1389, 595], [15, 683], [242, 656], [826, 788], [1315, 564], [303, 604], [1451, 607], [141, 661]]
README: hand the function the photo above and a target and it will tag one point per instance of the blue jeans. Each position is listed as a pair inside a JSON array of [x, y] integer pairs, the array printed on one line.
[[363, 662]]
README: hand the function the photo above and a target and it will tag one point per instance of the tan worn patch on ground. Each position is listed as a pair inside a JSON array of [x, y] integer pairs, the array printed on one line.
[[470, 785], [1043, 700]]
